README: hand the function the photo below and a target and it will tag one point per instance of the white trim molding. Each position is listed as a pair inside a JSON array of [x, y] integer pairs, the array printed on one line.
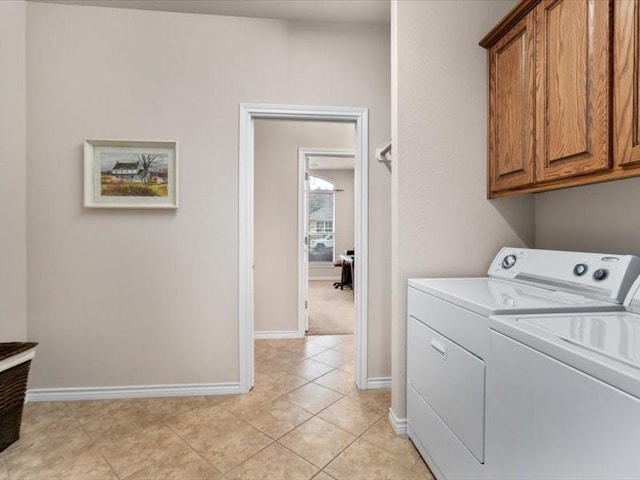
[[359, 117], [374, 383], [131, 391], [399, 425], [277, 334]]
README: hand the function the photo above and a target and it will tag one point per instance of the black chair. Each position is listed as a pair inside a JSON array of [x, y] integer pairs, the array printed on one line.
[[345, 277]]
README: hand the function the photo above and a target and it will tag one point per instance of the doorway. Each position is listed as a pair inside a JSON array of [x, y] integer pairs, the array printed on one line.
[[248, 114], [326, 227]]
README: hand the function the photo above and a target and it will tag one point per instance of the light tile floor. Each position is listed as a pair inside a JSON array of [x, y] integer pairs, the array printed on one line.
[[303, 419]]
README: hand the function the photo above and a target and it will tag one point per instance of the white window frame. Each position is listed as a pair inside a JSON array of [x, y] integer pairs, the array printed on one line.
[[332, 192]]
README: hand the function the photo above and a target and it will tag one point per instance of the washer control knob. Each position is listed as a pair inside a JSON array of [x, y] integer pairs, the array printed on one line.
[[508, 261], [580, 269], [600, 274]]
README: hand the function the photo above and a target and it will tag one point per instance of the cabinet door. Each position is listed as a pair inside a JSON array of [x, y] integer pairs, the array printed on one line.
[[512, 108], [626, 58], [572, 87]]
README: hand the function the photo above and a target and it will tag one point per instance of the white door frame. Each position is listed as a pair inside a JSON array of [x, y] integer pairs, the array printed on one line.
[[360, 118], [303, 272]]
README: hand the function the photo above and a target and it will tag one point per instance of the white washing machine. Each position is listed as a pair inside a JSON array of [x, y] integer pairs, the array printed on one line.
[[563, 395], [448, 340]]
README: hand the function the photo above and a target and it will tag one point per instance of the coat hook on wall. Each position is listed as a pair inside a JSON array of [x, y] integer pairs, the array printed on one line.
[[384, 154]]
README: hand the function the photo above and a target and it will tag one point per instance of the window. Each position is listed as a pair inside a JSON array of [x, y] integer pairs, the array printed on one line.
[[324, 226], [321, 203]]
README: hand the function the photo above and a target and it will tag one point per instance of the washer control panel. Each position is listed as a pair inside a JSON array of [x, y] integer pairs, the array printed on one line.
[[602, 276]]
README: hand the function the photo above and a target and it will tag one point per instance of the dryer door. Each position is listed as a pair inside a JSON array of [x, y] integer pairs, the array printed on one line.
[[451, 381]]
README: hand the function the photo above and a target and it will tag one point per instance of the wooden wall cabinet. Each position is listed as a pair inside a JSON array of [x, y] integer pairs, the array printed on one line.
[[572, 88], [512, 108], [626, 74], [564, 95]]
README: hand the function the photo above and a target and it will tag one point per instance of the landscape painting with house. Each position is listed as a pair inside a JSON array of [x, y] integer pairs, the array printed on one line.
[[134, 174]]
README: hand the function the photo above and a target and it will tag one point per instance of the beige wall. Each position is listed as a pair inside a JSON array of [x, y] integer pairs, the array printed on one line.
[[344, 220], [442, 223], [367, 62], [13, 164], [599, 218], [150, 297], [276, 213]]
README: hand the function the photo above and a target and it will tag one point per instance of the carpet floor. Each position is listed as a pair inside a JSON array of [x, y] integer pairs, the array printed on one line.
[[330, 310]]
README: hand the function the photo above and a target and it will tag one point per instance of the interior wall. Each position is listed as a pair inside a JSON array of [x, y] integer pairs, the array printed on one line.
[[13, 163], [596, 218], [150, 297], [361, 53], [344, 220], [443, 225], [276, 213]]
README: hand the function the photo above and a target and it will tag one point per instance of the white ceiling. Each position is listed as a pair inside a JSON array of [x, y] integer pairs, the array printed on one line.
[[331, 163], [351, 11]]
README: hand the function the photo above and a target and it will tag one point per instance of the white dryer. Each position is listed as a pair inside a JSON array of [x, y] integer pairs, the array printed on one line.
[[563, 395], [448, 340]]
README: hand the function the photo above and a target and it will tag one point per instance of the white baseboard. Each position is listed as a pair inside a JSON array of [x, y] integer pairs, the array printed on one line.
[[276, 334], [378, 382], [399, 425], [325, 277], [133, 391]]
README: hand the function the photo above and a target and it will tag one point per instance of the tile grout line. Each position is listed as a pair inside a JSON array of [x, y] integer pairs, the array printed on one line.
[[276, 441], [224, 474], [333, 389], [94, 443], [296, 426], [324, 408], [250, 457], [184, 440], [341, 451], [358, 437], [108, 462], [307, 382], [159, 422], [102, 445], [301, 457], [390, 453]]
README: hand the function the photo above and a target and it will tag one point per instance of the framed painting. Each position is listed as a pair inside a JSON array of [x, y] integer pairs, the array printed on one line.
[[130, 174]]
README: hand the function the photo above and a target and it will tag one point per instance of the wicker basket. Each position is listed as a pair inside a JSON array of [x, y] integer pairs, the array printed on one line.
[[13, 386]]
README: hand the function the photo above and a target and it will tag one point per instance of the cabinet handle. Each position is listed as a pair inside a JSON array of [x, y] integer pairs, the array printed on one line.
[[439, 348]]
